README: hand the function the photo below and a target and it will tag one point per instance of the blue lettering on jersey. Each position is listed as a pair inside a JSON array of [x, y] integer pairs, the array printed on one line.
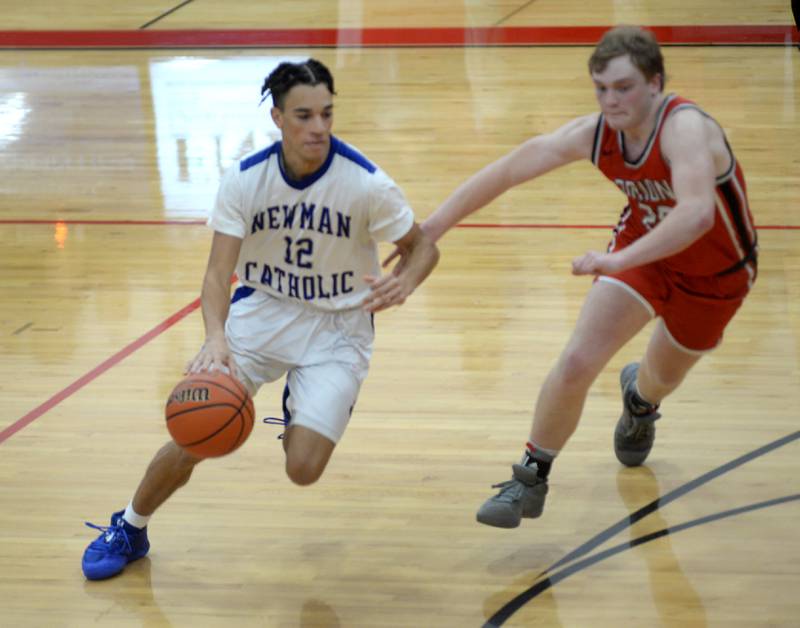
[[307, 217], [345, 286], [309, 286], [288, 216], [294, 283], [325, 221], [302, 216], [273, 217], [306, 287]]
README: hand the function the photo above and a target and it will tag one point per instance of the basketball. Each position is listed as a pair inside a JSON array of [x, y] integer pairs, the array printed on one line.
[[209, 414]]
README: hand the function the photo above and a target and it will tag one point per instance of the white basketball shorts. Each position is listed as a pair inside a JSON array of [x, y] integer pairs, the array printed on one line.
[[324, 354]]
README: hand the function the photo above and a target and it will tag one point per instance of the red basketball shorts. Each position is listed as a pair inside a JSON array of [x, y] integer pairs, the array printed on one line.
[[695, 309]]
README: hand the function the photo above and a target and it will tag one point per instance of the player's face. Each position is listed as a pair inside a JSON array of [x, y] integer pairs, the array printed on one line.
[[305, 123], [625, 96]]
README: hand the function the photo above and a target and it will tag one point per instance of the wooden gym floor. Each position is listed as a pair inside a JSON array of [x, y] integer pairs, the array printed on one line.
[[115, 123]]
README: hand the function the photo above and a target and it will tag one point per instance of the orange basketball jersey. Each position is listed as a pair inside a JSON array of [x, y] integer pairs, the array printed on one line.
[[647, 182]]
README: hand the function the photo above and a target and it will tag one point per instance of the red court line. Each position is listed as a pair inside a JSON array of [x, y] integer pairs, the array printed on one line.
[[97, 371], [88, 221], [771, 34], [471, 225]]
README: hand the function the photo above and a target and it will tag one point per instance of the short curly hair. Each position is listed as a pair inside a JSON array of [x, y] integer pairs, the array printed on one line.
[[287, 75], [638, 43]]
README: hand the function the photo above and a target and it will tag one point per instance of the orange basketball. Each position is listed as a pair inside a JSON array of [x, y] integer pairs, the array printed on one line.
[[209, 414]]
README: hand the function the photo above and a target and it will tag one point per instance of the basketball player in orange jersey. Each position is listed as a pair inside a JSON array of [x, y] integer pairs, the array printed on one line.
[[684, 251]]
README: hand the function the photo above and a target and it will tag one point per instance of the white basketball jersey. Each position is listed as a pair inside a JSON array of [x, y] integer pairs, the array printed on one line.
[[311, 240]]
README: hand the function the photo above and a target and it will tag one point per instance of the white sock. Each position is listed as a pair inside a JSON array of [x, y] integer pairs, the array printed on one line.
[[133, 518]]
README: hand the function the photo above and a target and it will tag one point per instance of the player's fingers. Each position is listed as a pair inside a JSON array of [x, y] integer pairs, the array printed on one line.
[[197, 363], [387, 300], [374, 303], [234, 368], [378, 283]]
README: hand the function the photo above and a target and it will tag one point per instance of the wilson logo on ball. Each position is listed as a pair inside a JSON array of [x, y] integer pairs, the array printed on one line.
[[189, 395]]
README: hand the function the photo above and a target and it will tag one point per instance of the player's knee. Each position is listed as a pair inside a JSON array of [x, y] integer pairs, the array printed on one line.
[[181, 460], [303, 472], [576, 369]]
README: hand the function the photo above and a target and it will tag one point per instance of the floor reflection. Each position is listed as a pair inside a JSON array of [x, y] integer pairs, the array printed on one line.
[[677, 602]]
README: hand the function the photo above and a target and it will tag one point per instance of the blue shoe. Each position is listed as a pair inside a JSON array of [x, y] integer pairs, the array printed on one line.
[[118, 544]]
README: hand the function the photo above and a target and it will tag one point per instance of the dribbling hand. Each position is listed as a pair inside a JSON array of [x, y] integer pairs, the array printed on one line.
[[214, 355]]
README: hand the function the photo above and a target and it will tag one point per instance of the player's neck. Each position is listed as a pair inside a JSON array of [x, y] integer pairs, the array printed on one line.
[[297, 168]]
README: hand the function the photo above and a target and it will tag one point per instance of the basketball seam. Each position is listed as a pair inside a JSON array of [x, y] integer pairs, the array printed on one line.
[[241, 395], [195, 409], [213, 434]]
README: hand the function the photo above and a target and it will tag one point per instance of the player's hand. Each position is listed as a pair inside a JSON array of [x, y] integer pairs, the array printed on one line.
[[594, 263], [398, 253], [386, 291], [213, 356]]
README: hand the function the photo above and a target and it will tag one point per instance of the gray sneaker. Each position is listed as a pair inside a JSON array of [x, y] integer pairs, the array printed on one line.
[[634, 434], [521, 496]]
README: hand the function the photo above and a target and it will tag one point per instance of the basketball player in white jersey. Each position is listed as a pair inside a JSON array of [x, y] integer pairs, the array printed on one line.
[[299, 223]]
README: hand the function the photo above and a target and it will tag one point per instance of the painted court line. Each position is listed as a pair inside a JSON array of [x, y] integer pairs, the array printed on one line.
[[97, 371], [727, 34]]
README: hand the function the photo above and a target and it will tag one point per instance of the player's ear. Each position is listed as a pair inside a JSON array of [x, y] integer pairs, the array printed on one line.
[[277, 117], [657, 82]]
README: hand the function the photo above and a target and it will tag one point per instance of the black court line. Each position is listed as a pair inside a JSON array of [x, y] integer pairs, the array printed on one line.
[[165, 14], [511, 607], [513, 13]]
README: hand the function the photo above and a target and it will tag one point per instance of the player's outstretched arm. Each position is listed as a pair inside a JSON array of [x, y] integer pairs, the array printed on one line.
[[533, 158], [215, 299], [418, 257]]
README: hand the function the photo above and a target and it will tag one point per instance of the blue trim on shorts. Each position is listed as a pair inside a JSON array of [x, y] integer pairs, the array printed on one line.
[[287, 416], [242, 292]]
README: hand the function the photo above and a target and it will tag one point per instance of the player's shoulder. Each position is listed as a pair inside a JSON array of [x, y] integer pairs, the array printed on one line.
[[352, 157], [257, 157], [685, 117], [685, 125]]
